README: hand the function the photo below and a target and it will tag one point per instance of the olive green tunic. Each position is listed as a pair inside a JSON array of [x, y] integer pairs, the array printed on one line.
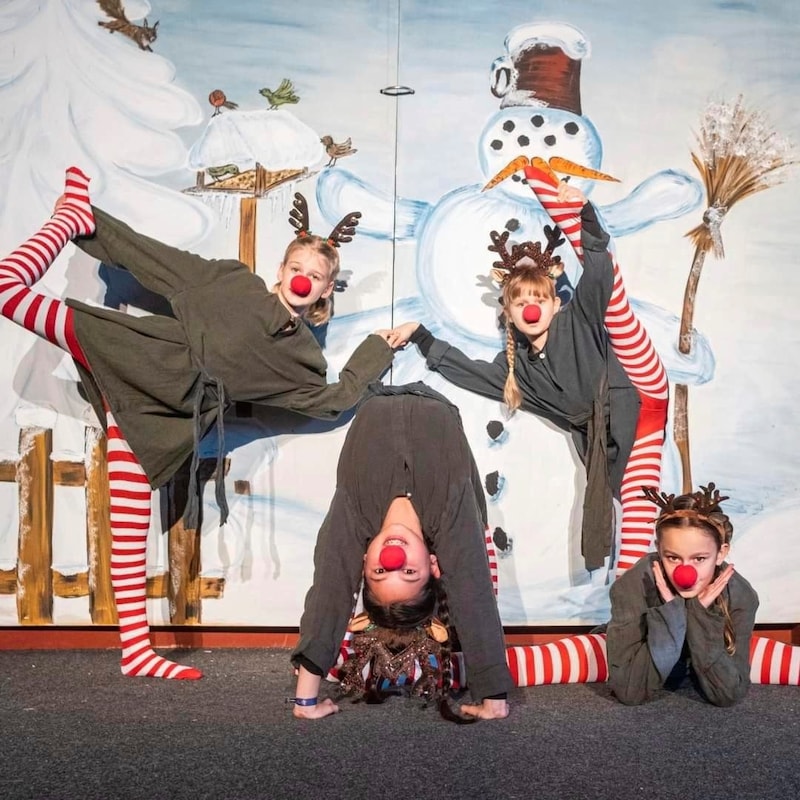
[[231, 339]]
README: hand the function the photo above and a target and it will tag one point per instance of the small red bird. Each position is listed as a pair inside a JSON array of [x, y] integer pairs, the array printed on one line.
[[218, 100]]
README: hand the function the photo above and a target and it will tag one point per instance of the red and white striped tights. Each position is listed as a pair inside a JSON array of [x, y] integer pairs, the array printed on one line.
[[635, 352], [129, 490], [582, 659]]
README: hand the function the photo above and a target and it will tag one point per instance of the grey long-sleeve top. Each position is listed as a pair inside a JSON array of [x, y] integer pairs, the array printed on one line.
[[407, 443], [646, 637], [563, 381]]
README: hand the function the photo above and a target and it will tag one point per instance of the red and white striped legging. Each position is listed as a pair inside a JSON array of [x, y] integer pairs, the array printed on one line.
[[129, 490], [635, 352], [582, 659]]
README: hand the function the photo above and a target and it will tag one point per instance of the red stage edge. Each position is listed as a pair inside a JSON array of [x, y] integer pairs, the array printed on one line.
[[101, 637]]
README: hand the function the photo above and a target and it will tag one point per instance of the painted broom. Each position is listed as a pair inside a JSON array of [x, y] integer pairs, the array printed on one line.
[[738, 154]]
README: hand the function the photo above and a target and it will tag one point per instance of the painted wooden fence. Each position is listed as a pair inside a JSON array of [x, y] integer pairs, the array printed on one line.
[[36, 583]]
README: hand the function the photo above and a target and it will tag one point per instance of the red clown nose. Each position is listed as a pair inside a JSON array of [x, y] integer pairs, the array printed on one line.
[[300, 285], [531, 313], [685, 576], [392, 557]]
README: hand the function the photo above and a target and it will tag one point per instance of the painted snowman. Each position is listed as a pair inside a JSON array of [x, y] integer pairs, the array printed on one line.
[[540, 117]]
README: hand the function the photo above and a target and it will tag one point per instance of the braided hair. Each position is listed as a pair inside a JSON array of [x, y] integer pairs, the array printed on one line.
[[399, 635], [522, 279]]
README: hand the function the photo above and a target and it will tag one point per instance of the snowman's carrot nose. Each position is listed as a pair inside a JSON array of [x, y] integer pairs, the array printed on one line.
[[568, 167], [520, 162], [550, 167]]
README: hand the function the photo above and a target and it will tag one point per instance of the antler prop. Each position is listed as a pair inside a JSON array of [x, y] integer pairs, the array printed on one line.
[[527, 255], [298, 215], [554, 238], [498, 246], [344, 230], [707, 502], [298, 219]]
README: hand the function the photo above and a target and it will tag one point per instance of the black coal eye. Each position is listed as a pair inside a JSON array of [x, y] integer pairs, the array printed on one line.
[[523, 141], [550, 140], [492, 482], [571, 128], [537, 120], [494, 427], [496, 145], [508, 126]]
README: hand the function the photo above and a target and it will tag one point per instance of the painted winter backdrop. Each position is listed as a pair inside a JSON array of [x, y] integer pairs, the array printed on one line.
[[141, 122]]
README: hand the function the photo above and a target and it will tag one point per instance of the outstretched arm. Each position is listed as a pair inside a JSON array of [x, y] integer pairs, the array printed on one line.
[[312, 395], [577, 220], [567, 207], [482, 377]]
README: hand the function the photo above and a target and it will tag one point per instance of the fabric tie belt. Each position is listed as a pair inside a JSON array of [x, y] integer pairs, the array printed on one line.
[[207, 387]]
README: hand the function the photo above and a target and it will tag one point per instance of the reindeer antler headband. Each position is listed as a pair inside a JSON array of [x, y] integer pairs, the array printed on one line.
[[342, 233], [707, 502], [527, 256], [434, 628], [392, 653]]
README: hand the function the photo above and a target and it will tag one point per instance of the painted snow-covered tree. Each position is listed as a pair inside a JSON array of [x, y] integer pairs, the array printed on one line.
[[72, 92], [83, 95], [78, 94]]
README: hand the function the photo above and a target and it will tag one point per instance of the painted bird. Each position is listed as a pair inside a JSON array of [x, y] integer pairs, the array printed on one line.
[[337, 150], [218, 100], [282, 95], [224, 171]]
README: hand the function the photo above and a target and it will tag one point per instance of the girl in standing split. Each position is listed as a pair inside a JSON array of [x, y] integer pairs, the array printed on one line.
[[589, 367], [160, 382]]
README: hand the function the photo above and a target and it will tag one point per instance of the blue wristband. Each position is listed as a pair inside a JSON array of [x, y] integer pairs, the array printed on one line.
[[302, 701]]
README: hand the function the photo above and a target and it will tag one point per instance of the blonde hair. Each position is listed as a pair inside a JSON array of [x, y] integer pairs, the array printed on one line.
[[320, 312], [521, 280]]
